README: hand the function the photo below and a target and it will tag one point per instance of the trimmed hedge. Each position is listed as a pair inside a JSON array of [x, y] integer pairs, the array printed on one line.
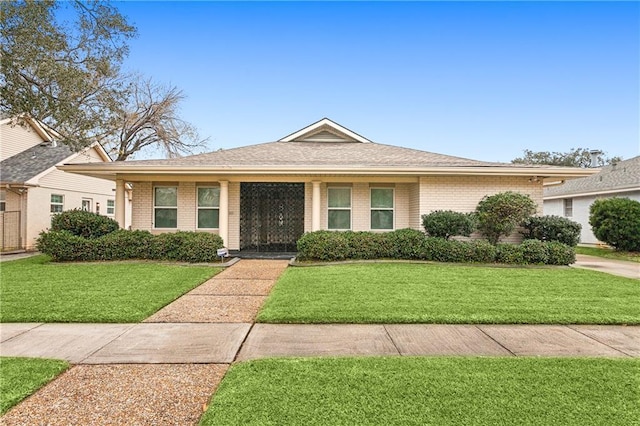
[[122, 244], [447, 223], [552, 228], [410, 244], [83, 224]]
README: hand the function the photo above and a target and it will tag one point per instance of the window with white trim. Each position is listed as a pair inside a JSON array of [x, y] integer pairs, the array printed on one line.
[[57, 203], [86, 204], [339, 208], [165, 207], [208, 207], [111, 207], [3, 200], [568, 207], [382, 204]]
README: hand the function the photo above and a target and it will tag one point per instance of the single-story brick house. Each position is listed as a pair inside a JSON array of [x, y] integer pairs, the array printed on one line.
[[573, 198], [263, 197]]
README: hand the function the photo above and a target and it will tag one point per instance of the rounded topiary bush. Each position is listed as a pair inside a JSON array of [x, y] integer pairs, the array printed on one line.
[[616, 221], [498, 215], [447, 223], [83, 224], [552, 228]]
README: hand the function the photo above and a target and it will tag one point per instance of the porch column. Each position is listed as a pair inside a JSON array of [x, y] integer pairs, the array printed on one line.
[[315, 206], [121, 202], [224, 212]]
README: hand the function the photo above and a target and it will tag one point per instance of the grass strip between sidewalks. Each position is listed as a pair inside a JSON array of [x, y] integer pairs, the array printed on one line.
[[36, 290], [429, 391], [20, 377], [451, 294]]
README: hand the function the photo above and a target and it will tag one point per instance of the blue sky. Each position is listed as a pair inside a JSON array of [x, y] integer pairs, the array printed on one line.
[[471, 79]]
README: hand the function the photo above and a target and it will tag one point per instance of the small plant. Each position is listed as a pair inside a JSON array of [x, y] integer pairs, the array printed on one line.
[[616, 221], [447, 223], [552, 228], [499, 214], [83, 224]]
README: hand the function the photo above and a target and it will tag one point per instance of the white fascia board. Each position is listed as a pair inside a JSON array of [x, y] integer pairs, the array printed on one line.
[[591, 193], [325, 121]]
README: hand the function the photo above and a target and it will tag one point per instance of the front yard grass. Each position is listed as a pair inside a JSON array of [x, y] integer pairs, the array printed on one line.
[[453, 294], [609, 253], [429, 391], [20, 377], [36, 290]]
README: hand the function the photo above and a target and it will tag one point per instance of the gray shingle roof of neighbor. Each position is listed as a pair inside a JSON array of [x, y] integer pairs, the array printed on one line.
[[623, 175], [31, 162], [347, 154]]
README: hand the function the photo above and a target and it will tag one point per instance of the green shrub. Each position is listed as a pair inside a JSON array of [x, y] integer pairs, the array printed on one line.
[[447, 223], [64, 246], [83, 224], [534, 252], [123, 244], [323, 245], [499, 214], [616, 221], [559, 253], [367, 245], [405, 243], [509, 253], [552, 228]]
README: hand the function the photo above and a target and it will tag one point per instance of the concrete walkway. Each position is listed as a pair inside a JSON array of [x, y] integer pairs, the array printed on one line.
[[223, 343], [610, 266]]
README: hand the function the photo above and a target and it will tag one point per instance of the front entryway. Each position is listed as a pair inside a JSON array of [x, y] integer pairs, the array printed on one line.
[[271, 216]]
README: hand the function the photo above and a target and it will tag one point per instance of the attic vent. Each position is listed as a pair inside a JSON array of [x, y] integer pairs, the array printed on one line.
[[324, 136]]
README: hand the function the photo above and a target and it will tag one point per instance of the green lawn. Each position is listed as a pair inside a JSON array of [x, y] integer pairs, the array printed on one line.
[[36, 290], [429, 391], [609, 253], [20, 377], [429, 293]]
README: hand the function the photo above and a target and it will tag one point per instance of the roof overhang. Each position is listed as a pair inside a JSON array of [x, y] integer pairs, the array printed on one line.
[[630, 188], [115, 169]]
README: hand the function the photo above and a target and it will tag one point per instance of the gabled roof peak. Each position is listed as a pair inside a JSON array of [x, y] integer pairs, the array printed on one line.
[[324, 130]]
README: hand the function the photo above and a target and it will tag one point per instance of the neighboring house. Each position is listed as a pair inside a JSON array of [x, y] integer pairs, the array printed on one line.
[[32, 189], [573, 198], [264, 197]]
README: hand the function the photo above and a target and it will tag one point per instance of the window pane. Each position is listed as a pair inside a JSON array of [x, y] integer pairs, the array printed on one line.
[[111, 203], [166, 218], [339, 197], [381, 219], [382, 198], [208, 197], [56, 199], [56, 208], [339, 219], [166, 196], [208, 218]]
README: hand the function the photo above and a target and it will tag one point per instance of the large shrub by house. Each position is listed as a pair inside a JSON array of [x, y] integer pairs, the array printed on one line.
[[616, 221], [498, 215], [447, 223], [552, 228], [409, 244], [81, 236]]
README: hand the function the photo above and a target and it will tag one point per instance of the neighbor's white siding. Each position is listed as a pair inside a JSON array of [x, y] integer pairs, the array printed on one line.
[[16, 138]]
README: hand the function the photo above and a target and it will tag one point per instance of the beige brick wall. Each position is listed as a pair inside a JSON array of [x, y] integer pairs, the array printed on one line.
[[187, 208], [142, 206], [414, 206]]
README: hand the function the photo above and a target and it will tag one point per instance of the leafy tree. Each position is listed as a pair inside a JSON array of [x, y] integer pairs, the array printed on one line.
[[148, 118], [447, 223], [499, 214], [616, 221], [576, 157], [65, 74]]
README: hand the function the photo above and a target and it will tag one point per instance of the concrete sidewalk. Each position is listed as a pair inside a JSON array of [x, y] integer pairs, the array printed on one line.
[[610, 266], [185, 343]]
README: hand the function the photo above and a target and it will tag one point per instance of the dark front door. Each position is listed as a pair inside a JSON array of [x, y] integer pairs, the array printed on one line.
[[271, 216]]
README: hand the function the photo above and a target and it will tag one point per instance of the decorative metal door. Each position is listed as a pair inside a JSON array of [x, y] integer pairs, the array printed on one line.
[[271, 216]]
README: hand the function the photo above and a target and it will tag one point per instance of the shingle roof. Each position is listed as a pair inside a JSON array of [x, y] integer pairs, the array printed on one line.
[[31, 162], [623, 175], [348, 154]]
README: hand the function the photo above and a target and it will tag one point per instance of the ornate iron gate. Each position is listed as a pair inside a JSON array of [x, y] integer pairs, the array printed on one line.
[[271, 216]]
